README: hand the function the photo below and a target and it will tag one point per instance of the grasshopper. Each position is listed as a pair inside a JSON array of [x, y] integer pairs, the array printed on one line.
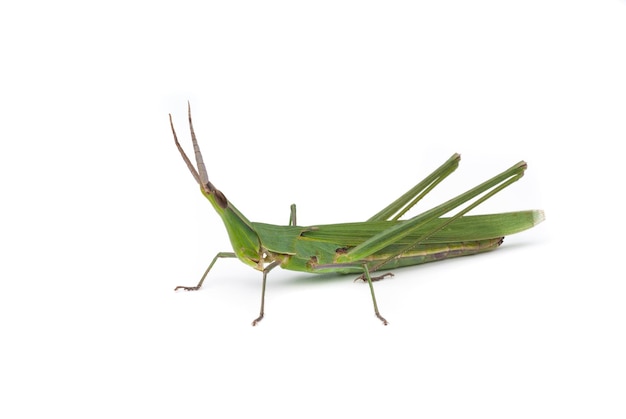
[[382, 242]]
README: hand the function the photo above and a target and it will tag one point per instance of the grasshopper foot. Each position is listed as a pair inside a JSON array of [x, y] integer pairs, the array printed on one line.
[[196, 288], [382, 319], [257, 320], [374, 278]]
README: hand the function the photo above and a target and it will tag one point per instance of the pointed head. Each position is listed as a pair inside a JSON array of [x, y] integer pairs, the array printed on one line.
[[243, 237], [216, 197]]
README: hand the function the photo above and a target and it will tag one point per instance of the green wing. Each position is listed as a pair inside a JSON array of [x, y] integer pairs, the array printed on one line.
[[284, 239], [466, 228]]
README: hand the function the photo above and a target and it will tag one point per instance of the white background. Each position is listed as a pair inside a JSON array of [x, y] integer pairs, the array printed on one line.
[[338, 106]]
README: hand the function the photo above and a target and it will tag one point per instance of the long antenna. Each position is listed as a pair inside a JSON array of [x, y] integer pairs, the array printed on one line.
[[204, 177], [182, 153]]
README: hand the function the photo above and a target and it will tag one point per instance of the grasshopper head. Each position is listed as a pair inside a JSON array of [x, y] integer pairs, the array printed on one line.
[[243, 237], [216, 197]]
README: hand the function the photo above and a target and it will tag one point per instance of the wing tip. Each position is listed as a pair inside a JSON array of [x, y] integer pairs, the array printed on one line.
[[538, 217]]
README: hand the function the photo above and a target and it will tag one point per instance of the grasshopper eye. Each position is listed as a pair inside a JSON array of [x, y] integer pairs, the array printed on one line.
[[220, 198]]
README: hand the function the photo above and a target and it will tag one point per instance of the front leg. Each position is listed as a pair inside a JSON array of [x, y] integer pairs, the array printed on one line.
[[197, 287]]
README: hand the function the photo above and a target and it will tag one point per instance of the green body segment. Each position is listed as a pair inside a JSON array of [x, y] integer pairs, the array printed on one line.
[[315, 249], [420, 254], [241, 232]]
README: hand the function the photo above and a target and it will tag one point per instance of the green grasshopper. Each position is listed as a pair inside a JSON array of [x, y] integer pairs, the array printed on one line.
[[382, 242]]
